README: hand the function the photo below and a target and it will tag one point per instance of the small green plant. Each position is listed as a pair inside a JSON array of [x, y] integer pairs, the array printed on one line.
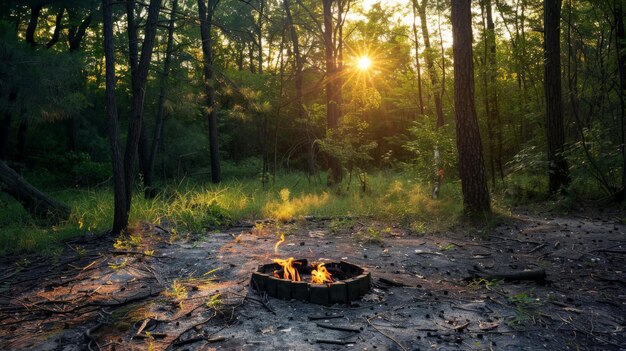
[[177, 291], [116, 266], [214, 302], [371, 235]]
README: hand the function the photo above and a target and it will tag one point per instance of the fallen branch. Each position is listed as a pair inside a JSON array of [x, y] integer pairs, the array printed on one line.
[[334, 342], [382, 333], [339, 327], [535, 275]]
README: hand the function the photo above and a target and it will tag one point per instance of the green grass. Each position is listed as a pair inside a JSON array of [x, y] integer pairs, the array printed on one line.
[[192, 206]]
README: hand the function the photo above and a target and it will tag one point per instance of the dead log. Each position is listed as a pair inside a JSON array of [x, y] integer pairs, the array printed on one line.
[[34, 201], [536, 275]]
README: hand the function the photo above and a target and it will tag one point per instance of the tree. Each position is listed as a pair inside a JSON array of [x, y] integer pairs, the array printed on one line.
[[205, 13], [149, 159], [139, 77], [120, 214], [430, 63], [332, 52], [469, 146], [33, 200], [557, 168]]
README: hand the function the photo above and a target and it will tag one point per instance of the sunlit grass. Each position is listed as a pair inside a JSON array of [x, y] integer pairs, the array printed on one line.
[[193, 207]]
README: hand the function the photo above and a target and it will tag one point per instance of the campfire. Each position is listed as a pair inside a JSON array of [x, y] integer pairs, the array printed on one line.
[[321, 283]]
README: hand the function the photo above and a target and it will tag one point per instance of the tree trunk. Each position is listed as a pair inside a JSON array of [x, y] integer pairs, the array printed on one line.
[[430, 64], [417, 58], [35, 10], [58, 27], [299, 81], [160, 117], [206, 16], [333, 108], [557, 170], [469, 146], [139, 89], [33, 200], [120, 218], [494, 112], [620, 38]]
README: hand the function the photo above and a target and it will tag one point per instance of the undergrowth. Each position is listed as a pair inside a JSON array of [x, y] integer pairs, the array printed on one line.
[[194, 207]]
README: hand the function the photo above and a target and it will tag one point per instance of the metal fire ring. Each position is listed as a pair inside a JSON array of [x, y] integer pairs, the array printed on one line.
[[357, 283]]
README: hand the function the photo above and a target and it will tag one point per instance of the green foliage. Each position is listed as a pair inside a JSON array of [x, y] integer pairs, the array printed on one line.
[[424, 139]]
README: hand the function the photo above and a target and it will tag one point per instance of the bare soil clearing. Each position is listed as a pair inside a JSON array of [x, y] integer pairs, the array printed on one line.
[[192, 292]]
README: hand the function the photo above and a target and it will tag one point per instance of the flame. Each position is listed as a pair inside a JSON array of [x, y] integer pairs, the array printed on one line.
[[289, 271], [282, 239], [321, 275]]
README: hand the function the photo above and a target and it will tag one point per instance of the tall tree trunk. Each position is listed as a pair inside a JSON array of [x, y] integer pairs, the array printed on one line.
[[417, 58], [557, 169], [260, 34], [494, 112], [120, 217], [299, 81], [206, 16], [33, 200], [160, 116], [333, 108], [430, 64], [469, 146], [20, 148], [620, 39], [137, 104], [487, 95]]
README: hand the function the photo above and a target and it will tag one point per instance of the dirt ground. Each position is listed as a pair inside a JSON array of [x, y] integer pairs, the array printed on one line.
[[166, 290]]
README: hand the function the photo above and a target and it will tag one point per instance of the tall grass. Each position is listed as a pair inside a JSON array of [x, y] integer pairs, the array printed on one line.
[[191, 206]]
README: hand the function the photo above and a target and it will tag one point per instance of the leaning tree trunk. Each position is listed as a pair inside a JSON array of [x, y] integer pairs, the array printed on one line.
[[206, 16], [557, 169], [33, 200], [469, 146], [120, 218]]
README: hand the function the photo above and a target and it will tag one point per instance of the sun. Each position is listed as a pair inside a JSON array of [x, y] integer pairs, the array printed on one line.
[[364, 63]]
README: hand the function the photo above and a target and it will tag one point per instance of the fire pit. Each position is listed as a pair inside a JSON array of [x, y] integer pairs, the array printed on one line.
[[328, 283]]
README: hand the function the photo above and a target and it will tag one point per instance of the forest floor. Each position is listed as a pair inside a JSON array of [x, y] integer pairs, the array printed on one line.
[[159, 289]]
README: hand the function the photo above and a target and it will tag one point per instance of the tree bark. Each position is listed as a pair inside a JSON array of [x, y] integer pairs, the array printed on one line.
[[430, 64], [137, 104], [469, 146], [33, 200], [206, 16], [557, 169], [120, 218]]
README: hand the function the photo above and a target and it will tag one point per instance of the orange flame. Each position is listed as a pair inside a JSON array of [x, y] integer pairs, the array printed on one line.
[[321, 275], [282, 239], [289, 271]]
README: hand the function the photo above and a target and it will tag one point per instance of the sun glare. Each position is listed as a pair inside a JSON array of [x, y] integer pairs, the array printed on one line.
[[364, 63]]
